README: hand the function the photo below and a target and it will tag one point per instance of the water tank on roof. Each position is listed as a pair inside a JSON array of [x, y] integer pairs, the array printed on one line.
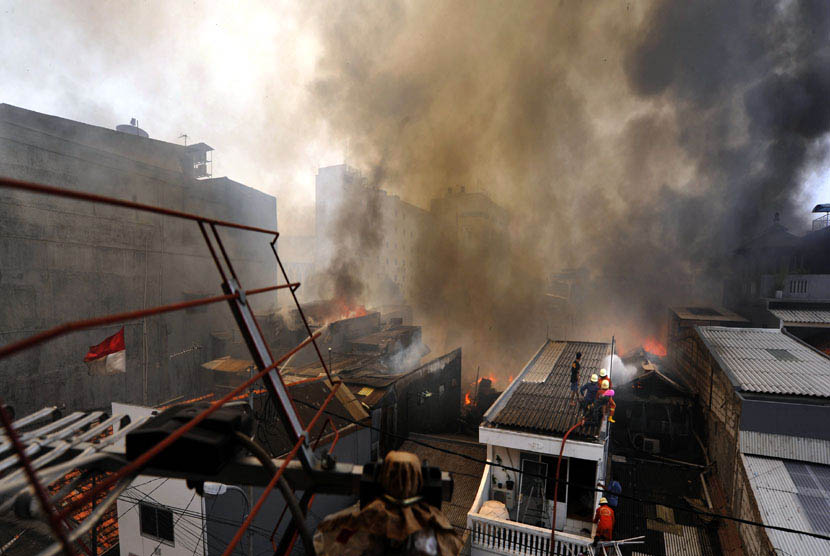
[[132, 128]]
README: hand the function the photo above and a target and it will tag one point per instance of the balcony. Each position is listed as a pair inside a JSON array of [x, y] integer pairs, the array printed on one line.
[[489, 535]]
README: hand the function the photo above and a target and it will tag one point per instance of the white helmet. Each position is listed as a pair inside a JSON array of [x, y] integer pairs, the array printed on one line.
[[603, 372], [594, 378]]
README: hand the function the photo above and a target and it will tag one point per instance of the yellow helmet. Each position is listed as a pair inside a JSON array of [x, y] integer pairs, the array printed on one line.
[[604, 384], [594, 378], [603, 500], [603, 372]]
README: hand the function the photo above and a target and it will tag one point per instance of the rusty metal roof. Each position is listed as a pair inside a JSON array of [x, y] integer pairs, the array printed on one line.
[[229, 365], [544, 407], [766, 360]]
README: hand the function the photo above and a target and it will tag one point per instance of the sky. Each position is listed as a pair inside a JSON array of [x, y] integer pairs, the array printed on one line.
[[233, 75], [236, 75]]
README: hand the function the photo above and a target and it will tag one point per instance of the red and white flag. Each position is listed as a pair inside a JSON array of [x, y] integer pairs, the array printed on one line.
[[109, 357]]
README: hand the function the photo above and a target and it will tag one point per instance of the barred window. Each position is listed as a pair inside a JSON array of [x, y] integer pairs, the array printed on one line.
[[156, 522]]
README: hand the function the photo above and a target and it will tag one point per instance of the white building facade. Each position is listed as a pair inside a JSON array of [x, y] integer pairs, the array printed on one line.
[[524, 431], [158, 516]]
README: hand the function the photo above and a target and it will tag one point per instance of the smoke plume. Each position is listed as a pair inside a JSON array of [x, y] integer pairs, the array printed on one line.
[[639, 142]]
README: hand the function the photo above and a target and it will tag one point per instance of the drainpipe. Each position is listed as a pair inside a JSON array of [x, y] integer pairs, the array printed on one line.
[[556, 487]]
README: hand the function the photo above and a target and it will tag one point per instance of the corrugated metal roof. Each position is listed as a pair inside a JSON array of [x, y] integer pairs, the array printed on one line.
[[802, 316], [780, 504], [812, 450], [541, 367], [766, 360], [544, 407]]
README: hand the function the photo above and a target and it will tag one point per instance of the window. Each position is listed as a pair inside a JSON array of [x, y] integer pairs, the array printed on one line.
[[156, 522]]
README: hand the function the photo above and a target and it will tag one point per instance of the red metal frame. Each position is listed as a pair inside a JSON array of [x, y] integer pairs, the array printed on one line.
[[144, 459], [234, 296], [311, 500]]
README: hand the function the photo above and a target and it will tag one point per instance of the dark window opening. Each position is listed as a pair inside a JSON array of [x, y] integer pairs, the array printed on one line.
[[582, 477], [156, 522]]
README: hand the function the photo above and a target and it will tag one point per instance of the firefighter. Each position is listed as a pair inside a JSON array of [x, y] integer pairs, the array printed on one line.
[[604, 519], [610, 404], [589, 391], [575, 366], [603, 375]]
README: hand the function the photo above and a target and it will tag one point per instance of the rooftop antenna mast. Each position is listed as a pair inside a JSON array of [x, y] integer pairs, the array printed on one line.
[[185, 138]]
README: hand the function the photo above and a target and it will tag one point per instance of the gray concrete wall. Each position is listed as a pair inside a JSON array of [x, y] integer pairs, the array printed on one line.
[[63, 260]]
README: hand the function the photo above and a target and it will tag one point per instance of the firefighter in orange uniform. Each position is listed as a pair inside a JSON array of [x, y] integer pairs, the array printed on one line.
[[604, 519], [603, 375]]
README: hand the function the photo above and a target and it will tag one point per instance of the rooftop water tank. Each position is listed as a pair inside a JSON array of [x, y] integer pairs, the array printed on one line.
[[132, 128]]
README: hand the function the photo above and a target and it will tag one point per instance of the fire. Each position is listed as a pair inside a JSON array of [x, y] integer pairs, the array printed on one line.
[[654, 347], [348, 311], [468, 396]]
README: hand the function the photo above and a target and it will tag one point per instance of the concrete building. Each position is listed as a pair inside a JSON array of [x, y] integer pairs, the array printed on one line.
[[470, 219], [63, 260], [766, 403], [524, 429], [385, 230]]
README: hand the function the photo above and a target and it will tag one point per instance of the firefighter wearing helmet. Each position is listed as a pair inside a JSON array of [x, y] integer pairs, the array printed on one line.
[[589, 392], [604, 519]]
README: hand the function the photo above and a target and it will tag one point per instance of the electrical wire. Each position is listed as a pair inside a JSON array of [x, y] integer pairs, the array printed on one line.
[[584, 487], [176, 524]]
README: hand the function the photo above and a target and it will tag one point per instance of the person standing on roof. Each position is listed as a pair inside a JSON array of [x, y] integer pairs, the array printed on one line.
[[604, 519], [605, 399], [612, 492], [575, 366], [603, 375], [589, 392]]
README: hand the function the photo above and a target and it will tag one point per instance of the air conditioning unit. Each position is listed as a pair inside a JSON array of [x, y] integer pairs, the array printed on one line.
[[651, 445], [506, 497]]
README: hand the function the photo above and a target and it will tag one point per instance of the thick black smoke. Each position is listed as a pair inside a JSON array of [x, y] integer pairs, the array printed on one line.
[[639, 142]]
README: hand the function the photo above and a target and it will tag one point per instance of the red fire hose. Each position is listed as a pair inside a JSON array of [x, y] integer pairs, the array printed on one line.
[[556, 487]]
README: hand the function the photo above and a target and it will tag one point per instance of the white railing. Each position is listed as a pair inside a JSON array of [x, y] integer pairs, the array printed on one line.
[[497, 536], [483, 490]]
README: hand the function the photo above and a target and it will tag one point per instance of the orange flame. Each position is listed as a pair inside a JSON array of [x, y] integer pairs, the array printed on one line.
[[654, 347], [467, 400], [347, 311]]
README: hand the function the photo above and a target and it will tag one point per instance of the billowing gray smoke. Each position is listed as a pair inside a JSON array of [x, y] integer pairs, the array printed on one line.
[[641, 142]]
